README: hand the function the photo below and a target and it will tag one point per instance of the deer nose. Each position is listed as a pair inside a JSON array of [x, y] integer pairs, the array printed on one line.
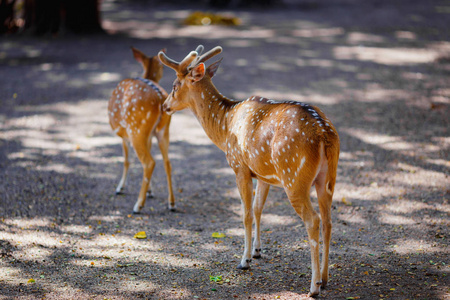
[[166, 109]]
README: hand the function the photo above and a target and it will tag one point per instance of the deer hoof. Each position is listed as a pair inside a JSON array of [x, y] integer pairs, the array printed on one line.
[[257, 254], [246, 266], [149, 194], [240, 267]]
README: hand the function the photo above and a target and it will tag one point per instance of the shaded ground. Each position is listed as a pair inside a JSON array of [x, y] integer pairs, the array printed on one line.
[[378, 69]]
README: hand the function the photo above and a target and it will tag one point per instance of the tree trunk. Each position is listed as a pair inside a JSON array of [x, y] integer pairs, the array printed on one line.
[[82, 16], [54, 16]]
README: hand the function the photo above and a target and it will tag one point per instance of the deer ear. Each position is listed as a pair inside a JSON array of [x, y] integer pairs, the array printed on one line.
[[212, 69], [138, 55], [197, 72]]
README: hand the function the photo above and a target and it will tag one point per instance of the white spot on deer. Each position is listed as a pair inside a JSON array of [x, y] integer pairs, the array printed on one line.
[[296, 129], [203, 96], [327, 188], [302, 162]]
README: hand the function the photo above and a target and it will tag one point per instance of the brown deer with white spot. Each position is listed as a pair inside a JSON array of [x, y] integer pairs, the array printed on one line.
[[136, 115], [283, 143]]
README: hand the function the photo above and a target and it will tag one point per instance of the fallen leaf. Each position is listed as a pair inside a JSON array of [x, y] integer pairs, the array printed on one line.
[[31, 280], [348, 203], [140, 235], [218, 235], [215, 278]]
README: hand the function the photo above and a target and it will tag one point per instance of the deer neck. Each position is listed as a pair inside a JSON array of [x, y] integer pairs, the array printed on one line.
[[213, 110]]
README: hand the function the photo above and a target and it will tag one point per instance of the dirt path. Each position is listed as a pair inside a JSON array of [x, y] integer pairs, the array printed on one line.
[[380, 71]]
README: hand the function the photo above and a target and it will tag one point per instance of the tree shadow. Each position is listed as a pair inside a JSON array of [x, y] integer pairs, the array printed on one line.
[[381, 83]]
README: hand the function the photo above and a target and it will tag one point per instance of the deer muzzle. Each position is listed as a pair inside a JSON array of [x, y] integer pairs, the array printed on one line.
[[166, 108]]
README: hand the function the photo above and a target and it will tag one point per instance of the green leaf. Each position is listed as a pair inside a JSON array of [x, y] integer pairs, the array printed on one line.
[[215, 278]]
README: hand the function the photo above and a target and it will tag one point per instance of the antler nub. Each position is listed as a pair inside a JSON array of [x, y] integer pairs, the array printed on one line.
[[191, 60], [214, 51], [199, 49], [179, 67]]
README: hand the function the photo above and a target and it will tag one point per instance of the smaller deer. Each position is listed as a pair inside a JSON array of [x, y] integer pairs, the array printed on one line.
[[136, 115], [288, 144]]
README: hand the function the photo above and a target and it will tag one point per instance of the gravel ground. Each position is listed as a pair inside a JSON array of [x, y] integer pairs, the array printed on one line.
[[378, 69]]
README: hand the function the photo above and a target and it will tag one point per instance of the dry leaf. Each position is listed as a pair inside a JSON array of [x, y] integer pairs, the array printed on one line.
[[140, 235], [218, 235], [348, 203]]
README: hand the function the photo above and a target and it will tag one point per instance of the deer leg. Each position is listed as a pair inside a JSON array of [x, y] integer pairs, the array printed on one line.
[[262, 189], [126, 164], [245, 186], [302, 206], [325, 196], [148, 164], [163, 142]]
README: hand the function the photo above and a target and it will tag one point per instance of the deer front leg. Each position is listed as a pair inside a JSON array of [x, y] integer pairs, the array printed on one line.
[[163, 142], [245, 186], [262, 189]]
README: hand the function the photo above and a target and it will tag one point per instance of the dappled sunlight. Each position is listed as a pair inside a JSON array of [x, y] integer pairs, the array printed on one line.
[[386, 56], [100, 78], [361, 37], [184, 127], [273, 220], [32, 237], [394, 219], [384, 87], [374, 93], [407, 246], [393, 143], [353, 218], [406, 206], [318, 33]]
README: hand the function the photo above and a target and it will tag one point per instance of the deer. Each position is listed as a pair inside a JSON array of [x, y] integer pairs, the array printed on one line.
[[136, 115], [288, 144]]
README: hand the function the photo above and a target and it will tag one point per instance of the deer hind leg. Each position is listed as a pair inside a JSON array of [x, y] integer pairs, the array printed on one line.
[[163, 142], [262, 189], [245, 186], [302, 205], [325, 195], [126, 165], [148, 163]]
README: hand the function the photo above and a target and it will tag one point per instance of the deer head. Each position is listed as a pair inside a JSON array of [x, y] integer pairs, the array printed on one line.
[[191, 73]]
